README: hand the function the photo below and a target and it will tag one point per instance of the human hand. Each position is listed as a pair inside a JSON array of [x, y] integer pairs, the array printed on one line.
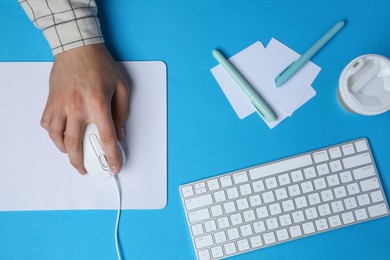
[[86, 87]]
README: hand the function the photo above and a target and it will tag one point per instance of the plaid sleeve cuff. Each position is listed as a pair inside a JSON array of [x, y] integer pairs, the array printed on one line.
[[65, 24]]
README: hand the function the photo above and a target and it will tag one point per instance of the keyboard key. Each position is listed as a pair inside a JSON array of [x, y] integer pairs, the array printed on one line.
[[275, 209], [230, 248], [204, 254], [280, 166], [364, 172], [321, 224], [295, 231], [311, 213], [223, 222], [308, 228], [197, 229], [213, 184], [204, 241], [217, 252], [268, 197], [198, 215], [282, 234], [320, 156], [347, 218], [226, 181], [298, 216], [281, 194], [357, 160], [320, 184], [348, 149], [350, 203], [307, 186], [258, 186], [322, 169], [269, 238], [243, 245], [361, 214], [236, 219], [314, 198], [335, 166], [335, 152], [240, 177], [376, 196], [363, 200], [270, 183], [198, 202], [233, 233], [246, 230], [210, 226], [262, 212], [340, 192], [326, 195], [284, 179], [361, 146], [219, 196], [285, 220], [232, 193], [245, 189], [229, 207], [323, 210], [337, 206], [296, 176], [333, 180], [288, 205], [334, 221], [346, 177], [199, 185], [187, 191], [377, 210], [369, 184], [256, 241], [301, 202], [259, 226], [242, 204], [309, 172], [294, 190], [272, 223], [255, 200], [216, 211], [220, 237], [249, 215]]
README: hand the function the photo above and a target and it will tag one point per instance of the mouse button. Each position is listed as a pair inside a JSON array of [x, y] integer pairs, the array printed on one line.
[[103, 161], [96, 144]]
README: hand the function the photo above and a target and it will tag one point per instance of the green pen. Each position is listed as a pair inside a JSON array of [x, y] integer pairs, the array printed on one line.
[[262, 108]]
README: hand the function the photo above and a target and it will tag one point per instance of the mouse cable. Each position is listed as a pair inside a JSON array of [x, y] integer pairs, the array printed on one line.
[[118, 251]]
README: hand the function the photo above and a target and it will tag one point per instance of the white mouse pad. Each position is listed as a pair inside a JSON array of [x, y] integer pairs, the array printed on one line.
[[35, 175]]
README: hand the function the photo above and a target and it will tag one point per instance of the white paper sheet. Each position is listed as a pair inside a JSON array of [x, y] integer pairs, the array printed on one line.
[[260, 66], [36, 176]]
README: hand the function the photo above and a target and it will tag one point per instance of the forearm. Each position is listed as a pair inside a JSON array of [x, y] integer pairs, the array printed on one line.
[[66, 24]]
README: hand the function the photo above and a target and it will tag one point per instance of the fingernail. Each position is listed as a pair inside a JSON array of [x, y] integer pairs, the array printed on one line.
[[114, 169], [122, 133]]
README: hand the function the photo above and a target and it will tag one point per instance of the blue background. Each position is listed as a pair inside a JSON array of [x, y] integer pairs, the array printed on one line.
[[205, 137]]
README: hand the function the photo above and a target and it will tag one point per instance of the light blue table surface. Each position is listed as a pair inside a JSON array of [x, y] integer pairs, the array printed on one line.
[[205, 137]]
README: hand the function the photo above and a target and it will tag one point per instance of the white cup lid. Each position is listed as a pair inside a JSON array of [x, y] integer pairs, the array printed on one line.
[[364, 85]]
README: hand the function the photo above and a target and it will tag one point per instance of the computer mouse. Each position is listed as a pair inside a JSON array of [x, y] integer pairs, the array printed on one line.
[[95, 161]]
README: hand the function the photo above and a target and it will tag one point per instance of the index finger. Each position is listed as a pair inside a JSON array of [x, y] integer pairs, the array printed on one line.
[[108, 139]]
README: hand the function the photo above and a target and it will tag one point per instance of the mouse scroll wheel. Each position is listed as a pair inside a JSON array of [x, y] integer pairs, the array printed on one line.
[[103, 161]]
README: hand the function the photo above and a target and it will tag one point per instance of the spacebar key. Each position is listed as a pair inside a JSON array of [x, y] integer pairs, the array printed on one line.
[[198, 202], [280, 166]]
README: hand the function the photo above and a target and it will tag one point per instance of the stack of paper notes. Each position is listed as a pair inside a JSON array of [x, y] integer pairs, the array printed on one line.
[[260, 65]]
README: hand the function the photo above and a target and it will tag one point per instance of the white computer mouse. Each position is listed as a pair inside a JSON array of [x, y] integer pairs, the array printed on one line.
[[95, 161]]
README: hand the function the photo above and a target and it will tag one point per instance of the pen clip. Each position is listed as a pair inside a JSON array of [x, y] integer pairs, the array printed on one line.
[[259, 111], [283, 71]]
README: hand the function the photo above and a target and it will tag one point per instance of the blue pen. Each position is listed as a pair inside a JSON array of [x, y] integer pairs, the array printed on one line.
[[294, 67]]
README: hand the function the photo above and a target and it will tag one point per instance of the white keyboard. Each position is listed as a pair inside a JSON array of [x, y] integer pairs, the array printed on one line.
[[287, 199]]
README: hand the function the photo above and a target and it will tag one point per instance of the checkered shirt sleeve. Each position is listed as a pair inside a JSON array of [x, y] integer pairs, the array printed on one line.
[[66, 24]]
